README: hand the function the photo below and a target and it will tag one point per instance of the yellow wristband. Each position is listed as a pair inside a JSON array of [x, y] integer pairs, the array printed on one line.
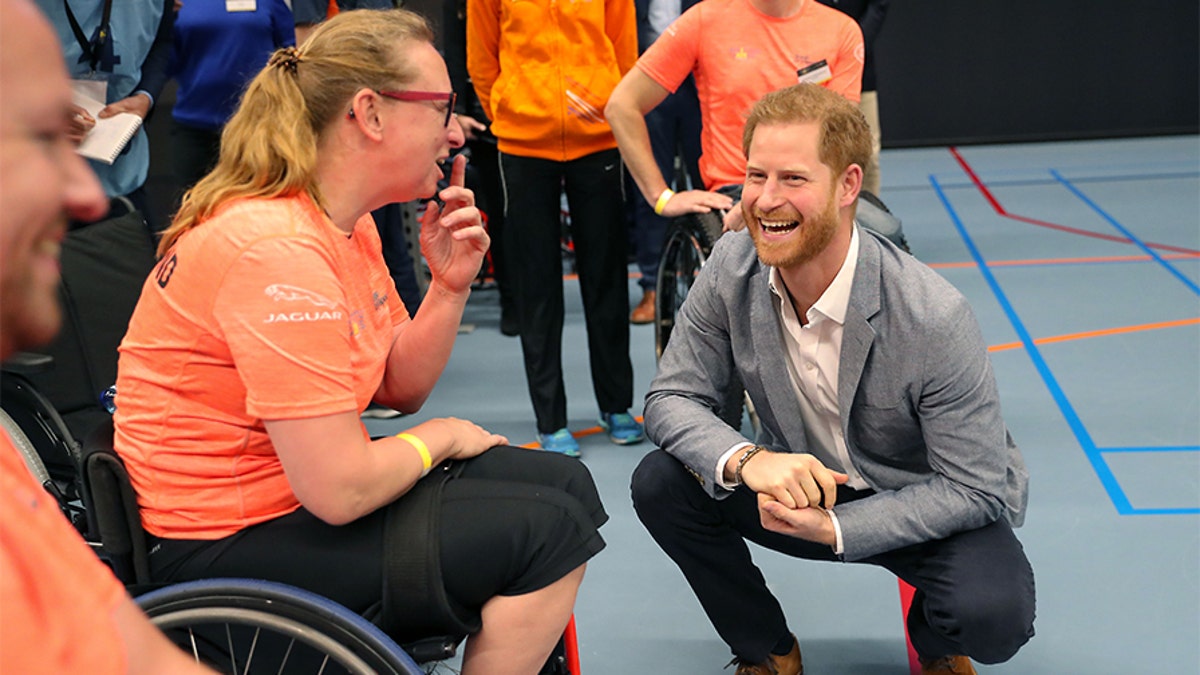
[[422, 450], [662, 200]]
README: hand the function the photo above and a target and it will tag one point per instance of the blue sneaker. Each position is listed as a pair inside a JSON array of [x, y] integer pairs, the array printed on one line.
[[622, 428], [561, 442]]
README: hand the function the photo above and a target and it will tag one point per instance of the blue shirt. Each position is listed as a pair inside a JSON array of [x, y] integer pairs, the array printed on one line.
[[216, 53], [133, 25]]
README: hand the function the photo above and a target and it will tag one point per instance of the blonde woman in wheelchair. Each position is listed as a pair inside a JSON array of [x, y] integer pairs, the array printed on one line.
[[271, 322]]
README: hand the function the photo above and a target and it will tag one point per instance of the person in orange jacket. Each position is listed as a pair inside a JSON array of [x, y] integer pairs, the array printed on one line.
[[543, 71]]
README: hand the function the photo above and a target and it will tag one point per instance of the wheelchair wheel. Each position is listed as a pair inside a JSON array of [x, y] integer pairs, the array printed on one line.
[[248, 626], [49, 450], [689, 241]]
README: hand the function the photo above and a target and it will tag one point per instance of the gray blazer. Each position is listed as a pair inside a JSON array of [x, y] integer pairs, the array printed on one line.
[[919, 405]]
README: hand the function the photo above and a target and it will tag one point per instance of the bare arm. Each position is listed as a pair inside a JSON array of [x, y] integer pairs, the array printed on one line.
[[453, 242], [149, 652], [635, 95], [340, 475]]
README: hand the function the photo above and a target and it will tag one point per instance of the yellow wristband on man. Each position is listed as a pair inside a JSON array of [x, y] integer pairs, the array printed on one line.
[[422, 450], [662, 200]]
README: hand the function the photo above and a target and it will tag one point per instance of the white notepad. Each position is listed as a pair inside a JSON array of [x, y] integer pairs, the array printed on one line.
[[110, 135]]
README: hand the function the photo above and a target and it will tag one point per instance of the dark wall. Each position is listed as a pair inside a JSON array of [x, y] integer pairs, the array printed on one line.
[[986, 71]]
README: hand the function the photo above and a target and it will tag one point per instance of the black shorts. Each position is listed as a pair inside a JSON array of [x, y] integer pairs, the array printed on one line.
[[512, 521]]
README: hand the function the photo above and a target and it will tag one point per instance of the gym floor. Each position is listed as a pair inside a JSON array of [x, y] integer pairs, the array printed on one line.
[[1082, 262]]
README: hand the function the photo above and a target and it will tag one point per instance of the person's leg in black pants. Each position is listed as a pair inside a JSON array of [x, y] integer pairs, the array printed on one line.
[[533, 232], [490, 198], [974, 593], [975, 588], [594, 195], [704, 538], [389, 220], [194, 152]]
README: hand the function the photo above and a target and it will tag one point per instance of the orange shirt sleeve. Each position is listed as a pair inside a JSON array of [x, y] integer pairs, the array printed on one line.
[[847, 68], [674, 54], [483, 49], [620, 21]]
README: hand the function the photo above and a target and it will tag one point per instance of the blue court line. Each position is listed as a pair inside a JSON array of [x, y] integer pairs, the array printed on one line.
[[1163, 448], [1124, 231], [1077, 263], [1183, 511], [1103, 472]]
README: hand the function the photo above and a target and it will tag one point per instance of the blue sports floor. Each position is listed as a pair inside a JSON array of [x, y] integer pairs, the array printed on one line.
[[1082, 262]]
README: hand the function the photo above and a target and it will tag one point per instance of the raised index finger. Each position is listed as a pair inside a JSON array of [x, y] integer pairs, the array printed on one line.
[[458, 170]]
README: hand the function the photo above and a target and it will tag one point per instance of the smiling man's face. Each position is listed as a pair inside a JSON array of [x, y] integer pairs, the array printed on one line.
[[43, 182], [790, 198]]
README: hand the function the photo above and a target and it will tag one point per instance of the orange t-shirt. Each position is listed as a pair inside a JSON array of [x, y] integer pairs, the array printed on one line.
[[57, 600], [264, 311], [738, 54]]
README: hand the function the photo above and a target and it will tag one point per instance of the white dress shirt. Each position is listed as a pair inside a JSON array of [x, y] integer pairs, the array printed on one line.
[[813, 351]]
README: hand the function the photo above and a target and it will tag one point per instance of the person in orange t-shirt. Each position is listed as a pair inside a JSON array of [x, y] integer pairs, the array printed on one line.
[[61, 609], [738, 51], [271, 322]]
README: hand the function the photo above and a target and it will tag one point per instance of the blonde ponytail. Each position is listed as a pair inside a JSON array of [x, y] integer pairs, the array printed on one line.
[[269, 146]]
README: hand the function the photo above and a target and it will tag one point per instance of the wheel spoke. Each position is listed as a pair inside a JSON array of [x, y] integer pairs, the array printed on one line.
[[195, 648], [250, 655], [286, 654], [232, 653]]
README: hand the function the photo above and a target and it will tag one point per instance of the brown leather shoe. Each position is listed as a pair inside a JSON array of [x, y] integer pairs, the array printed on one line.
[[775, 665], [947, 665], [644, 312]]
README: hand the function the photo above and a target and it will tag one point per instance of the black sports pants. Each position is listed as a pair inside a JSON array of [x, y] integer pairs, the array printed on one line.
[[533, 235]]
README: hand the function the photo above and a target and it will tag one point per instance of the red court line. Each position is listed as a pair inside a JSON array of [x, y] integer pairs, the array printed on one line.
[[999, 209], [1097, 333]]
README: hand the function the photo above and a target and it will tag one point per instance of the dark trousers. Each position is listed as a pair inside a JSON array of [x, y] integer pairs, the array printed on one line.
[[389, 221], [533, 235], [674, 127], [513, 522], [483, 176], [974, 590], [194, 152]]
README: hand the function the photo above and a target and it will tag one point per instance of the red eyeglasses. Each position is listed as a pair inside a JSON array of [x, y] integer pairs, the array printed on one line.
[[448, 97]]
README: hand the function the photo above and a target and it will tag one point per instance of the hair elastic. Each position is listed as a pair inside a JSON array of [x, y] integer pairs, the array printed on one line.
[[288, 58]]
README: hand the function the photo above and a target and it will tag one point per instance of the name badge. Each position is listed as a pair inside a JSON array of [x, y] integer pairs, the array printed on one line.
[[240, 5], [814, 73], [93, 86]]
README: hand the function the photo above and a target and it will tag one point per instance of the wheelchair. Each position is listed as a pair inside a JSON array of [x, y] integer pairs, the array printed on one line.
[[50, 401]]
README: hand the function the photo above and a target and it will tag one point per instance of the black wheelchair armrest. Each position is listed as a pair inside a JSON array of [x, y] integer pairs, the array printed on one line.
[[28, 363], [438, 648]]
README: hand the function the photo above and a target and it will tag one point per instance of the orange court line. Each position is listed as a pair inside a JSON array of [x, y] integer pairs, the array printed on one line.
[[1097, 333], [590, 431]]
